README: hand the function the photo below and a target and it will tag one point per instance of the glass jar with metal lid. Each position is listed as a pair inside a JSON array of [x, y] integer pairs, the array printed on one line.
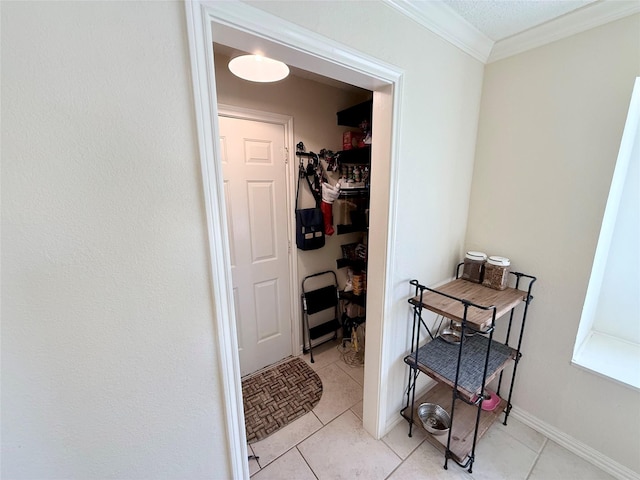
[[496, 272], [474, 266]]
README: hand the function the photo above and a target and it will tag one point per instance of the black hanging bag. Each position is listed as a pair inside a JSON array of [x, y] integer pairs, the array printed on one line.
[[309, 221]]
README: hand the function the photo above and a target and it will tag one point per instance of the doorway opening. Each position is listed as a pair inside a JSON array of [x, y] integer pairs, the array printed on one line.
[[247, 28], [309, 102]]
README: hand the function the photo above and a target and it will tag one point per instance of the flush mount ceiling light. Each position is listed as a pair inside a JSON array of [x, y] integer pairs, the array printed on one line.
[[257, 68]]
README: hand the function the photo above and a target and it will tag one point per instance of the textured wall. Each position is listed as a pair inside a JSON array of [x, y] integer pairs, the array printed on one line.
[[550, 128], [109, 367]]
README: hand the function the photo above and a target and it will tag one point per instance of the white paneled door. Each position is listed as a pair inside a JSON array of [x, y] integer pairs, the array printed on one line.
[[254, 170]]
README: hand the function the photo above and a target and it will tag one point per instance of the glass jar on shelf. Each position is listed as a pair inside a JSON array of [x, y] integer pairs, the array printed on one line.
[[473, 269], [496, 272]]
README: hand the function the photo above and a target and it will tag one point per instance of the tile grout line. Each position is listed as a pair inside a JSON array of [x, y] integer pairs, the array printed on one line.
[[341, 362], [546, 440], [319, 421], [394, 470], [322, 425], [410, 452], [305, 461], [349, 409], [360, 420], [249, 447], [360, 388], [394, 452], [508, 431], [296, 445]]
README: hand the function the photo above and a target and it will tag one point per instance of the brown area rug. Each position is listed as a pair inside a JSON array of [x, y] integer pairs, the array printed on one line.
[[277, 395]]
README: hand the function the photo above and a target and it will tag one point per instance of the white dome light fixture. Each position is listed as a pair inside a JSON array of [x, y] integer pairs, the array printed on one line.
[[257, 68]]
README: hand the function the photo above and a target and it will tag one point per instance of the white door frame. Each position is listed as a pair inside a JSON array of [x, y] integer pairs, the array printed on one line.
[[286, 121], [242, 26]]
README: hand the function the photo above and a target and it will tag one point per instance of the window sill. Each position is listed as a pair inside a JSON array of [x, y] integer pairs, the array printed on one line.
[[610, 357]]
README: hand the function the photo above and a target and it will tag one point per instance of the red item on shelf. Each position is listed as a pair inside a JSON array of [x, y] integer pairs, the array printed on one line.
[[352, 140], [327, 213]]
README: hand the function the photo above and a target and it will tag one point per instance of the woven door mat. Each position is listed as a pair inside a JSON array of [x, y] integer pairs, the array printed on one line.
[[278, 395]]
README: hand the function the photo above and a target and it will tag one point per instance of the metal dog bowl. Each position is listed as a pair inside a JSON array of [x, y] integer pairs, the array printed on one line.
[[434, 418]]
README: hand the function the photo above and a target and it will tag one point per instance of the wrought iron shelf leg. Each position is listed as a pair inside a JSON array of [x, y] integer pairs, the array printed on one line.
[[518, 354]]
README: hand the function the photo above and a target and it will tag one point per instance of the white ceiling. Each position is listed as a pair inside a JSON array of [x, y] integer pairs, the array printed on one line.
[[226, 51], [500, 19]]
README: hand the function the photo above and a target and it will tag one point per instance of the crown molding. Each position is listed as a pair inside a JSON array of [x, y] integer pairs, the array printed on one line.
[[440, 19], [590, 16]]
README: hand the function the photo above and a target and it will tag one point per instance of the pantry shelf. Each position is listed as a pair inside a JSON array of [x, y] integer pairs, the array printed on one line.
[[351, 228], [353, 298], [357, 264], [355, 115], [353, 192], [356, 156]]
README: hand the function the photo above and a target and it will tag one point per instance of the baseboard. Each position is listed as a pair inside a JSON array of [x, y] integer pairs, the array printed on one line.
[[583, 451], [396, 418], [392, 422]]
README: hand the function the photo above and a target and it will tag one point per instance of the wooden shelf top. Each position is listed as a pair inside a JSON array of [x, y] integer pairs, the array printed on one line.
[[503, 300], [464, 421]]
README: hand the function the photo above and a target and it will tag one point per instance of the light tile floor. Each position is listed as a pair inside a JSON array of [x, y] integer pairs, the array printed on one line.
[[330, 443]]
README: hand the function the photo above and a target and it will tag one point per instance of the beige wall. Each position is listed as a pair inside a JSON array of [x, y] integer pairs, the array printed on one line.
[[550, 127], [109, 360], [109, 366], [108, 355]]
